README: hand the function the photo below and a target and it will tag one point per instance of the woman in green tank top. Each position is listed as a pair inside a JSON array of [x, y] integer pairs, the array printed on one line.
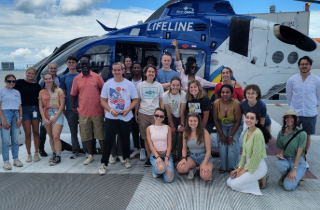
[[227, 117]]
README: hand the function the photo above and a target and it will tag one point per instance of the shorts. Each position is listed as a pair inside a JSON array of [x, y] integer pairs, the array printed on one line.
[[308, 124], [91, 128], [198, 158], [27, 113], [53, 112], [144, 122]]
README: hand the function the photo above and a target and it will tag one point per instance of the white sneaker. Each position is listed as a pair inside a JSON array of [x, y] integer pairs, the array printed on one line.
[[128, 163], [134, 153], [112, 159], [154, 175], [307, 165], [29, 159], [88, 160], [7, 166], [191, 173], [102, 169], [17, 163], [142, 154], [121, 159], [36, 157]]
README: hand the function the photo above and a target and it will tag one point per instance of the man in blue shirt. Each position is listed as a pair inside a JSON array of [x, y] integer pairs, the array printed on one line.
[[66, 82], [165, 74]]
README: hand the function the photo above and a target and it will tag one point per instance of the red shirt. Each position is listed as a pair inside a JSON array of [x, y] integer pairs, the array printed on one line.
[[237, 92], [89, 89]]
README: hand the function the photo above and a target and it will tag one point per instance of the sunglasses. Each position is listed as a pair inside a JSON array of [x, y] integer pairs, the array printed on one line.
[[193, 67], [161, 116], [11, 81], [193, 113]]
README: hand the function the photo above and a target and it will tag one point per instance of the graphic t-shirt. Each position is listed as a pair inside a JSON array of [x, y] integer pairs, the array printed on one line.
[[149, 93], [119, 95], [199, 105], [174, 101], [166, 76], [66, 84], [260, 108], [51, 100], [10, 98]]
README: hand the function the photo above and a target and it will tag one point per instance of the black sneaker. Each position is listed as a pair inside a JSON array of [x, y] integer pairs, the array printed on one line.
[[56, 161], [43, 153], [52, 158], [147, 163]]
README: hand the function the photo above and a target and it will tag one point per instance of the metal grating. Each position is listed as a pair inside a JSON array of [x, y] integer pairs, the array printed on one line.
[[277, 57], [293, 57]]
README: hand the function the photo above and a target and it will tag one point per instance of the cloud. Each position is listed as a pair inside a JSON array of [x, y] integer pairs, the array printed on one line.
[[32, 6], [43, 53], [20, 54], [79, 7]]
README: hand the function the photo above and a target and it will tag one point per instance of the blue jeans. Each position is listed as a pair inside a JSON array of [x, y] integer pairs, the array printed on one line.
[[156, 171], [27, 113], [53, 112], [229, 154], [286, 166], [11, 116], [198, 158]]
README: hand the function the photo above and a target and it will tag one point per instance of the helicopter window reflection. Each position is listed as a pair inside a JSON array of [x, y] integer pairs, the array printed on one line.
[[100, 58], [199, 54]]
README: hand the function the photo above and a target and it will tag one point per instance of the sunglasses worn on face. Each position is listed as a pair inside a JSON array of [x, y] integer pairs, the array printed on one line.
[[161, 116], [11, 81]]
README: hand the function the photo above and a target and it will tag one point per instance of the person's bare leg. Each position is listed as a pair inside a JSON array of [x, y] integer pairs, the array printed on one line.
[[35, 131], [205, 175], [308, 142], [89, 147], [56, 131], [49, 131], [27, 132]]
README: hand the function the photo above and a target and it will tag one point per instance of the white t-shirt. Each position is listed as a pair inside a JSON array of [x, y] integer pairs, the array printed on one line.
[[10, 99], [119, 95], [175, 101], [136, 83], [149, 93]]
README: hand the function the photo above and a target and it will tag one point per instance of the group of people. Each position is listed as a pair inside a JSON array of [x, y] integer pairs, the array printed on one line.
[[170, 117]]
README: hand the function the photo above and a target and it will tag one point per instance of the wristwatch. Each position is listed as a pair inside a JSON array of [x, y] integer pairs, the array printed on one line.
[[295, 167]]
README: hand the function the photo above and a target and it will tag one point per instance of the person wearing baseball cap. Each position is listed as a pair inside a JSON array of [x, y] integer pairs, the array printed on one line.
[[292, 142]]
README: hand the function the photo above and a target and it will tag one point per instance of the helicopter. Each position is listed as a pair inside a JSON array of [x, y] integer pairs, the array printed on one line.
[[258, 51]]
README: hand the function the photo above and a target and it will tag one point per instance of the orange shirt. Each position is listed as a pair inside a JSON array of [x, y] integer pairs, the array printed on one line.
[[88, 88], [50, 100]]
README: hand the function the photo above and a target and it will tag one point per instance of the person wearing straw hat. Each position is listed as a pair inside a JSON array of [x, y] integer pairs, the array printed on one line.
[[292, 142]]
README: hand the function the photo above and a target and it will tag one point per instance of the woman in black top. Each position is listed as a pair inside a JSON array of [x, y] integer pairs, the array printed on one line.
[[29, 91]]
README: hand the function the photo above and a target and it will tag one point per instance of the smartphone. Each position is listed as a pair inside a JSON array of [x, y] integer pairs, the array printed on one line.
[[234, 176], [6, 128], [280, 158], [120, 113]]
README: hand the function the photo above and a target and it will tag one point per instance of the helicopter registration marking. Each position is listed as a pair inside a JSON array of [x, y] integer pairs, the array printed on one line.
[[165, 26]]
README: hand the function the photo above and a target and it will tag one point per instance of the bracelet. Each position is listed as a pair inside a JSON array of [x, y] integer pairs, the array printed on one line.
[[167, 157], [231, 136], [183, 158], [110, 111], [157, 157], [240, 167]]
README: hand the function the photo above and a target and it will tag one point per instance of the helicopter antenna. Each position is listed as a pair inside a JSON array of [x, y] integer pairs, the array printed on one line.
[[118, 19]]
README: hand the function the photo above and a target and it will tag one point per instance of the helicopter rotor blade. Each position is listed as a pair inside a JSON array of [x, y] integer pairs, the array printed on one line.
[[157, 14], [310, 1]]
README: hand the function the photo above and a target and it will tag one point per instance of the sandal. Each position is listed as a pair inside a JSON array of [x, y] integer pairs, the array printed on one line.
[[265, 184], [222, 171]]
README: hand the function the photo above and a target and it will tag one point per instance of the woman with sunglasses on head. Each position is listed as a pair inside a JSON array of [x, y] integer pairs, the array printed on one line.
[[51, 105], [189, 73], [226, 76], [159, 141], [149, 99], [29, 91], [252, 166], [10, 119], [227, 116], [175, 104], [292, 141], [198, 141]]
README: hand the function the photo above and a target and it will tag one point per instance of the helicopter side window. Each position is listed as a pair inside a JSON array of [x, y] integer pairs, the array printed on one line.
[[199, 54]]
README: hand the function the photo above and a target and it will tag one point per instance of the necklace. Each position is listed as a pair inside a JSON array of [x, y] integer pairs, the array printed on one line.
[[158, 126]]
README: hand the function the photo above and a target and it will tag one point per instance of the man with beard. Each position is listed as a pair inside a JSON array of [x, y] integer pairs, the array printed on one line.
[[88, 85], [303, 96]]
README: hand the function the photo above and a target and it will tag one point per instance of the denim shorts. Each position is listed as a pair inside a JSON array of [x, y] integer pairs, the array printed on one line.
[[27, 113], [308, 124], [53, 112], [198, 158]]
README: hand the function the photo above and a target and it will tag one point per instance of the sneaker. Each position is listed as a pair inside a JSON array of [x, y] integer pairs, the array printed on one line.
[[142, 154], [102, 169], [74, 155], [281, 180], [17, 163], [112, 159], [121, 159], [43, 153], [55, 161], [155, 175], [36, 157], [52, 158], [147, 163], [88, 160], [302, 180], [307, 165], [7, 166], [191, 173], [29, 159], [134, 153], [127, 163]]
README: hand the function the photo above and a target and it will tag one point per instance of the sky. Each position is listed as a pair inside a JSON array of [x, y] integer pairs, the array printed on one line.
[[31, 29]]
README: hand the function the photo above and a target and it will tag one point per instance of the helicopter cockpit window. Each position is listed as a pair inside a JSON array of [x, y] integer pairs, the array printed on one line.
[[100, 58], [198, 54]]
